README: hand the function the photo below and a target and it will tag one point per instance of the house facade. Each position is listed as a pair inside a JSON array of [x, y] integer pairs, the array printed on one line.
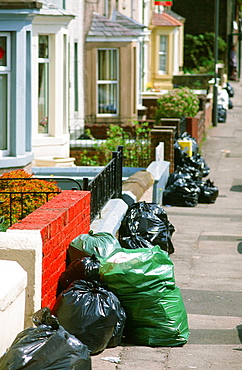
[[15, 83], [63, 62], [50, 80], [41, 85], [130, 46], [166, 48]]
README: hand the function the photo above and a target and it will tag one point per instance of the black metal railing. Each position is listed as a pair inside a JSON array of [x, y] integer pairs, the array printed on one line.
[[15, 204], [63, 182], [107, 184]]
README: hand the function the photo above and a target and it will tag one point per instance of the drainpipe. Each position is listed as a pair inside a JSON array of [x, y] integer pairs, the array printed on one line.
[[215, 86]]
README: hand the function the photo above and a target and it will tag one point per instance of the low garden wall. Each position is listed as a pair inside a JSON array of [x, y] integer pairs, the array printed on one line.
[[40, 241]]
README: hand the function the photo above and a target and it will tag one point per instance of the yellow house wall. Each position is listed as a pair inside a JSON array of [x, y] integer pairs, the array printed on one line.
[[164, 81]]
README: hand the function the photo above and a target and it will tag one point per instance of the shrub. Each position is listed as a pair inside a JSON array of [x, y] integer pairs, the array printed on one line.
[[199, 52], [29, 192], [177, 103]]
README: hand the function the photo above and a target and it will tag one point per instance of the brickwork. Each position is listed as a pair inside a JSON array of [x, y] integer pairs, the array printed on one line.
[[81, 154], [192, 126], [167, 137], [208, 116], [171, 122], [60, 220]]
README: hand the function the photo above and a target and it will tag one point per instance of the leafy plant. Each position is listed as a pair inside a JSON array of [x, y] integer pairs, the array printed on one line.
[[86, 160], [4, 224], [27, 195], [136, 146], [199, 52], [177, 103]]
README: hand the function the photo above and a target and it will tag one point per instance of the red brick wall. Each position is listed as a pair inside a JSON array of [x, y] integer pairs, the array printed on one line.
[[60, 220], [167, 137]]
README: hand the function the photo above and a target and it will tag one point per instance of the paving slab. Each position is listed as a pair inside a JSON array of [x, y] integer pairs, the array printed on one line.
[[207, 265]]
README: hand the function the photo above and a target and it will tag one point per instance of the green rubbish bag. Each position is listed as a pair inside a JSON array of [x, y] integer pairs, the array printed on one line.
[[143, 280], [101, 244]]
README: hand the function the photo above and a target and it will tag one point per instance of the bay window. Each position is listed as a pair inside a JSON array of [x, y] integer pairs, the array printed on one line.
[[43, 88], [162, 55], [107, 84], [5, 69]]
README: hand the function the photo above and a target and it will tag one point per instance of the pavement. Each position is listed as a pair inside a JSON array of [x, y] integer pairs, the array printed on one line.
[[207, 266]]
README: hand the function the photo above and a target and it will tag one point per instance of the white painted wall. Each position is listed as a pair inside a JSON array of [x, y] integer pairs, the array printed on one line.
[[25, 247], [76, 35], [13, 282], [56, 143]]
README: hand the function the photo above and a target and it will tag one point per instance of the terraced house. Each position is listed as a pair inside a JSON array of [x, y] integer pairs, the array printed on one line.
[[66, 63]]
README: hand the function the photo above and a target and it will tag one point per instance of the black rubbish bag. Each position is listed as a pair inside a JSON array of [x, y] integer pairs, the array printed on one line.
[[230, 89], [222, 114], [150, 222], [134, 242], [230, 105], [91, 313], [208, 192], [198, 162], [182, 193], [46, 347], [86, 268], [179, 155], [187, 172]]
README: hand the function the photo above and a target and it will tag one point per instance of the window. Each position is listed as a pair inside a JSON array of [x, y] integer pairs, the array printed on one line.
[[4, 91], [107, 83], [43, 88], [162, 54]]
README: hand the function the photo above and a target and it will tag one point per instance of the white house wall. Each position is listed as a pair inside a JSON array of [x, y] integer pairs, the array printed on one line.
[[56, 143], [19, 112], [75, 30]]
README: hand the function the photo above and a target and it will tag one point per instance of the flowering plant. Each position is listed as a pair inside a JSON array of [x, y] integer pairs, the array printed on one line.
[[26, 195], [177, 103]]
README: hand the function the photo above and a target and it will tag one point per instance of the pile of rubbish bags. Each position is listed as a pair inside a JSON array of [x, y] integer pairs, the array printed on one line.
[[47, 346], [224, 101], [107, 294], [185, 186]]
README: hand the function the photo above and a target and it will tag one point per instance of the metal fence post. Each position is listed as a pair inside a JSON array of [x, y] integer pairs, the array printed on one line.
[[85, 183], [118, 155]]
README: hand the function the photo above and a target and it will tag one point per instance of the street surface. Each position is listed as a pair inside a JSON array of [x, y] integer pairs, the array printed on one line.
[[207, 264]]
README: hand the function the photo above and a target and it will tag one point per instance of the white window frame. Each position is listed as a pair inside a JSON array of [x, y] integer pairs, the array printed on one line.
[[6, 70], [46, 61], [163, 53], [111, 82], [106, 8]]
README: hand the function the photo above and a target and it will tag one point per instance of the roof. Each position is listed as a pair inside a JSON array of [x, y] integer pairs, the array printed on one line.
[[126, 21], [175, 15], [49, 8], [119, 27], [20, 4], [164, 19]]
